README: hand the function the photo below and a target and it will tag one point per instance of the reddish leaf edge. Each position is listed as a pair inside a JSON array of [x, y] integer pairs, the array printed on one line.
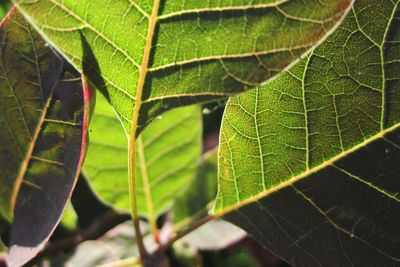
[[7, 16], [18, 256]]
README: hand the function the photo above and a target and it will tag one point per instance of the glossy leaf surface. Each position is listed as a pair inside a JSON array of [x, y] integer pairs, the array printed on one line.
[[168, 152], [172, 53], [44, 116], [309, 163]]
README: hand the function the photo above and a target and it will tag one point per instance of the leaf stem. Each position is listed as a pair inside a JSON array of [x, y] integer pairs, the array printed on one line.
[[186, 231], [197, 216], [133, 132]]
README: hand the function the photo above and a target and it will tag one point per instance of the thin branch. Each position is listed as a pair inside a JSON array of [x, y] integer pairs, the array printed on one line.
[[185, 231]]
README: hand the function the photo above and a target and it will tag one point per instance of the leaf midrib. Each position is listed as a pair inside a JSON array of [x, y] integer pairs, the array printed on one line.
[[144, 65], [29, 152], [132, 146], [34, 137], [307, 173]]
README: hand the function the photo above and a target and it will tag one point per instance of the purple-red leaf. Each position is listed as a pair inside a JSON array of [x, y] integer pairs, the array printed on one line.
[[43, 125]]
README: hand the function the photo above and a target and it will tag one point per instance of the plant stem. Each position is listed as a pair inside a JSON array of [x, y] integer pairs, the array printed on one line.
[[197, 216], [186, 231], [134, 126]]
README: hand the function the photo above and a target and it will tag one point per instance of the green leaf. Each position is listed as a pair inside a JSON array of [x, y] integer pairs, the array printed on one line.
[[168, 152], [163, 54], [309, 163], [43, 122]]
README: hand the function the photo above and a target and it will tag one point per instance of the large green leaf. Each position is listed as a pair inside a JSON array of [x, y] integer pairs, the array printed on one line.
[[309, 163], [162, 54], [43, 118], [168, 152]]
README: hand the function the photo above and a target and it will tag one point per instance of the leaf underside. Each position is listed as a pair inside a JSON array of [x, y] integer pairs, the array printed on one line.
[[41, 136], [309, 163], [168, 152], [200, 50]]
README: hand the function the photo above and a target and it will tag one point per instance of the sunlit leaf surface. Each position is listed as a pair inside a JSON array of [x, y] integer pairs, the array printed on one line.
[[172, 53], [309, 163]]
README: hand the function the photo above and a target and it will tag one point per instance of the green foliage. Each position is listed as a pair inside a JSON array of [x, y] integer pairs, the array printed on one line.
[[319, 149], [308, 159], [171, 53]]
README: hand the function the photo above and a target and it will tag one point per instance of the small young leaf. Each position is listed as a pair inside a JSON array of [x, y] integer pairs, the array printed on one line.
[[309, 163], [43, 118], [173, 53]]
